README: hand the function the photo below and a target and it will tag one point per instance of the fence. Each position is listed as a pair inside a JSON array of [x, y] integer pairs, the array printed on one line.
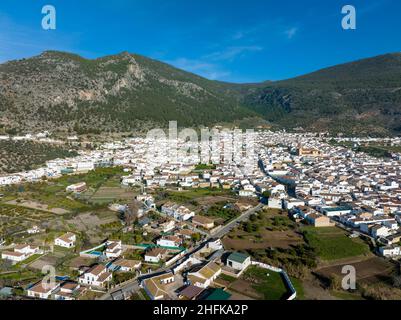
[[175, 258]]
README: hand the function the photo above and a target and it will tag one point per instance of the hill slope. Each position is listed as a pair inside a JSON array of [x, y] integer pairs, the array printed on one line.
[[58, 90], [62, 91], [359, 97]]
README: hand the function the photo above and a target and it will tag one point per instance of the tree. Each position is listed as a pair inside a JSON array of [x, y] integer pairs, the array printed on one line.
[[195, 237], [267, 194], [335, 282]]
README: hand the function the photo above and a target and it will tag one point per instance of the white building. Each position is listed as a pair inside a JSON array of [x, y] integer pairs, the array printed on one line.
[[113, 249], [78, 187], [275, 203], [378, 231], [390, 252], [204, 276], [292, 203], [170, 241], [125, 265], [176, 211], [155, 255], [97, 276], [21, 253], [156, 287], [247, 193], [69, 291], [34, 230], [67, 240], [42, 290], [238, 261]]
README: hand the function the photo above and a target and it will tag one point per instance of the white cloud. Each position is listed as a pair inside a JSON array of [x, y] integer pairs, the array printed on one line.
[[206, 69], [290, 33], [232, 53], [238, 35], [210, 65]]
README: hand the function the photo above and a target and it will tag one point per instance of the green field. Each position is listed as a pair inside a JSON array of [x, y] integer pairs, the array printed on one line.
[[298, 287], [217, 211], [201, 167], [333, 244], [372, 149], [270, 287], [103, 185]]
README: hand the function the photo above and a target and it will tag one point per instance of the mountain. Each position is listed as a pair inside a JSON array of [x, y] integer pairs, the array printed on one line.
[[62, 91], [125, 92], [362, 97]]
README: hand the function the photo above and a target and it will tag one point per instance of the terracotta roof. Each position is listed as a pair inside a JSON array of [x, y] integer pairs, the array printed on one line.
[[127, 263], [155, 252], [67, 237], [191, 292], [39, 288], [96, 270]]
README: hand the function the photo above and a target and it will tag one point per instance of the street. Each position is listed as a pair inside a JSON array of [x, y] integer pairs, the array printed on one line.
[[119, 292]]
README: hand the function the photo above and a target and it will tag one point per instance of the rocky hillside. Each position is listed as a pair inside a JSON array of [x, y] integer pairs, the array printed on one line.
[[61, 91]]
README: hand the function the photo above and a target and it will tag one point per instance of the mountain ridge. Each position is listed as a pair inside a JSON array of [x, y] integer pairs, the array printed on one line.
[[64, 91], [117, 93], [360, 97]]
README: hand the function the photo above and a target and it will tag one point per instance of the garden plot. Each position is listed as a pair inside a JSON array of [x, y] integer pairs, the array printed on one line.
[[260, 284]]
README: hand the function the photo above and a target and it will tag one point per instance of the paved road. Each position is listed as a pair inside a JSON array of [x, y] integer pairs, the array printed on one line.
[[231, 225], [119, 292]]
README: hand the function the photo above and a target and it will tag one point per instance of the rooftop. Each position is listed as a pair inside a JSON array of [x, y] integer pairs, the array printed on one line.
[[238, 257]]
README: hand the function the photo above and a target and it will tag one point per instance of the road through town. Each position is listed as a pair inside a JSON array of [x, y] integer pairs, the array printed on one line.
[[131, 286]]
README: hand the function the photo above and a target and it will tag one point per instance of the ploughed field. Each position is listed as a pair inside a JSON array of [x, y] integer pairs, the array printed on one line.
[[369, 271]]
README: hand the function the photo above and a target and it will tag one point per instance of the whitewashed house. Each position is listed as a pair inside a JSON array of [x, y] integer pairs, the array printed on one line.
[[21, 252], [97, 276], [113, 249], [67, 240], [238, 261], [42, 290], [169, 241], [390, 252]]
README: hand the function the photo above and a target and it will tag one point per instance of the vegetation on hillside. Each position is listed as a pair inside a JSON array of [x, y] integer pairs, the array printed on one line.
[[16, 156], [361, 97], [125, 92]]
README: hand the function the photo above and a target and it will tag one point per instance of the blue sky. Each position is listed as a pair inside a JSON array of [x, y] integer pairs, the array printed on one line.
[[229, 40]]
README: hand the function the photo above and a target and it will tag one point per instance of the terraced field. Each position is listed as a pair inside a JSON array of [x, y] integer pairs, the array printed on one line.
[[17, 219]]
